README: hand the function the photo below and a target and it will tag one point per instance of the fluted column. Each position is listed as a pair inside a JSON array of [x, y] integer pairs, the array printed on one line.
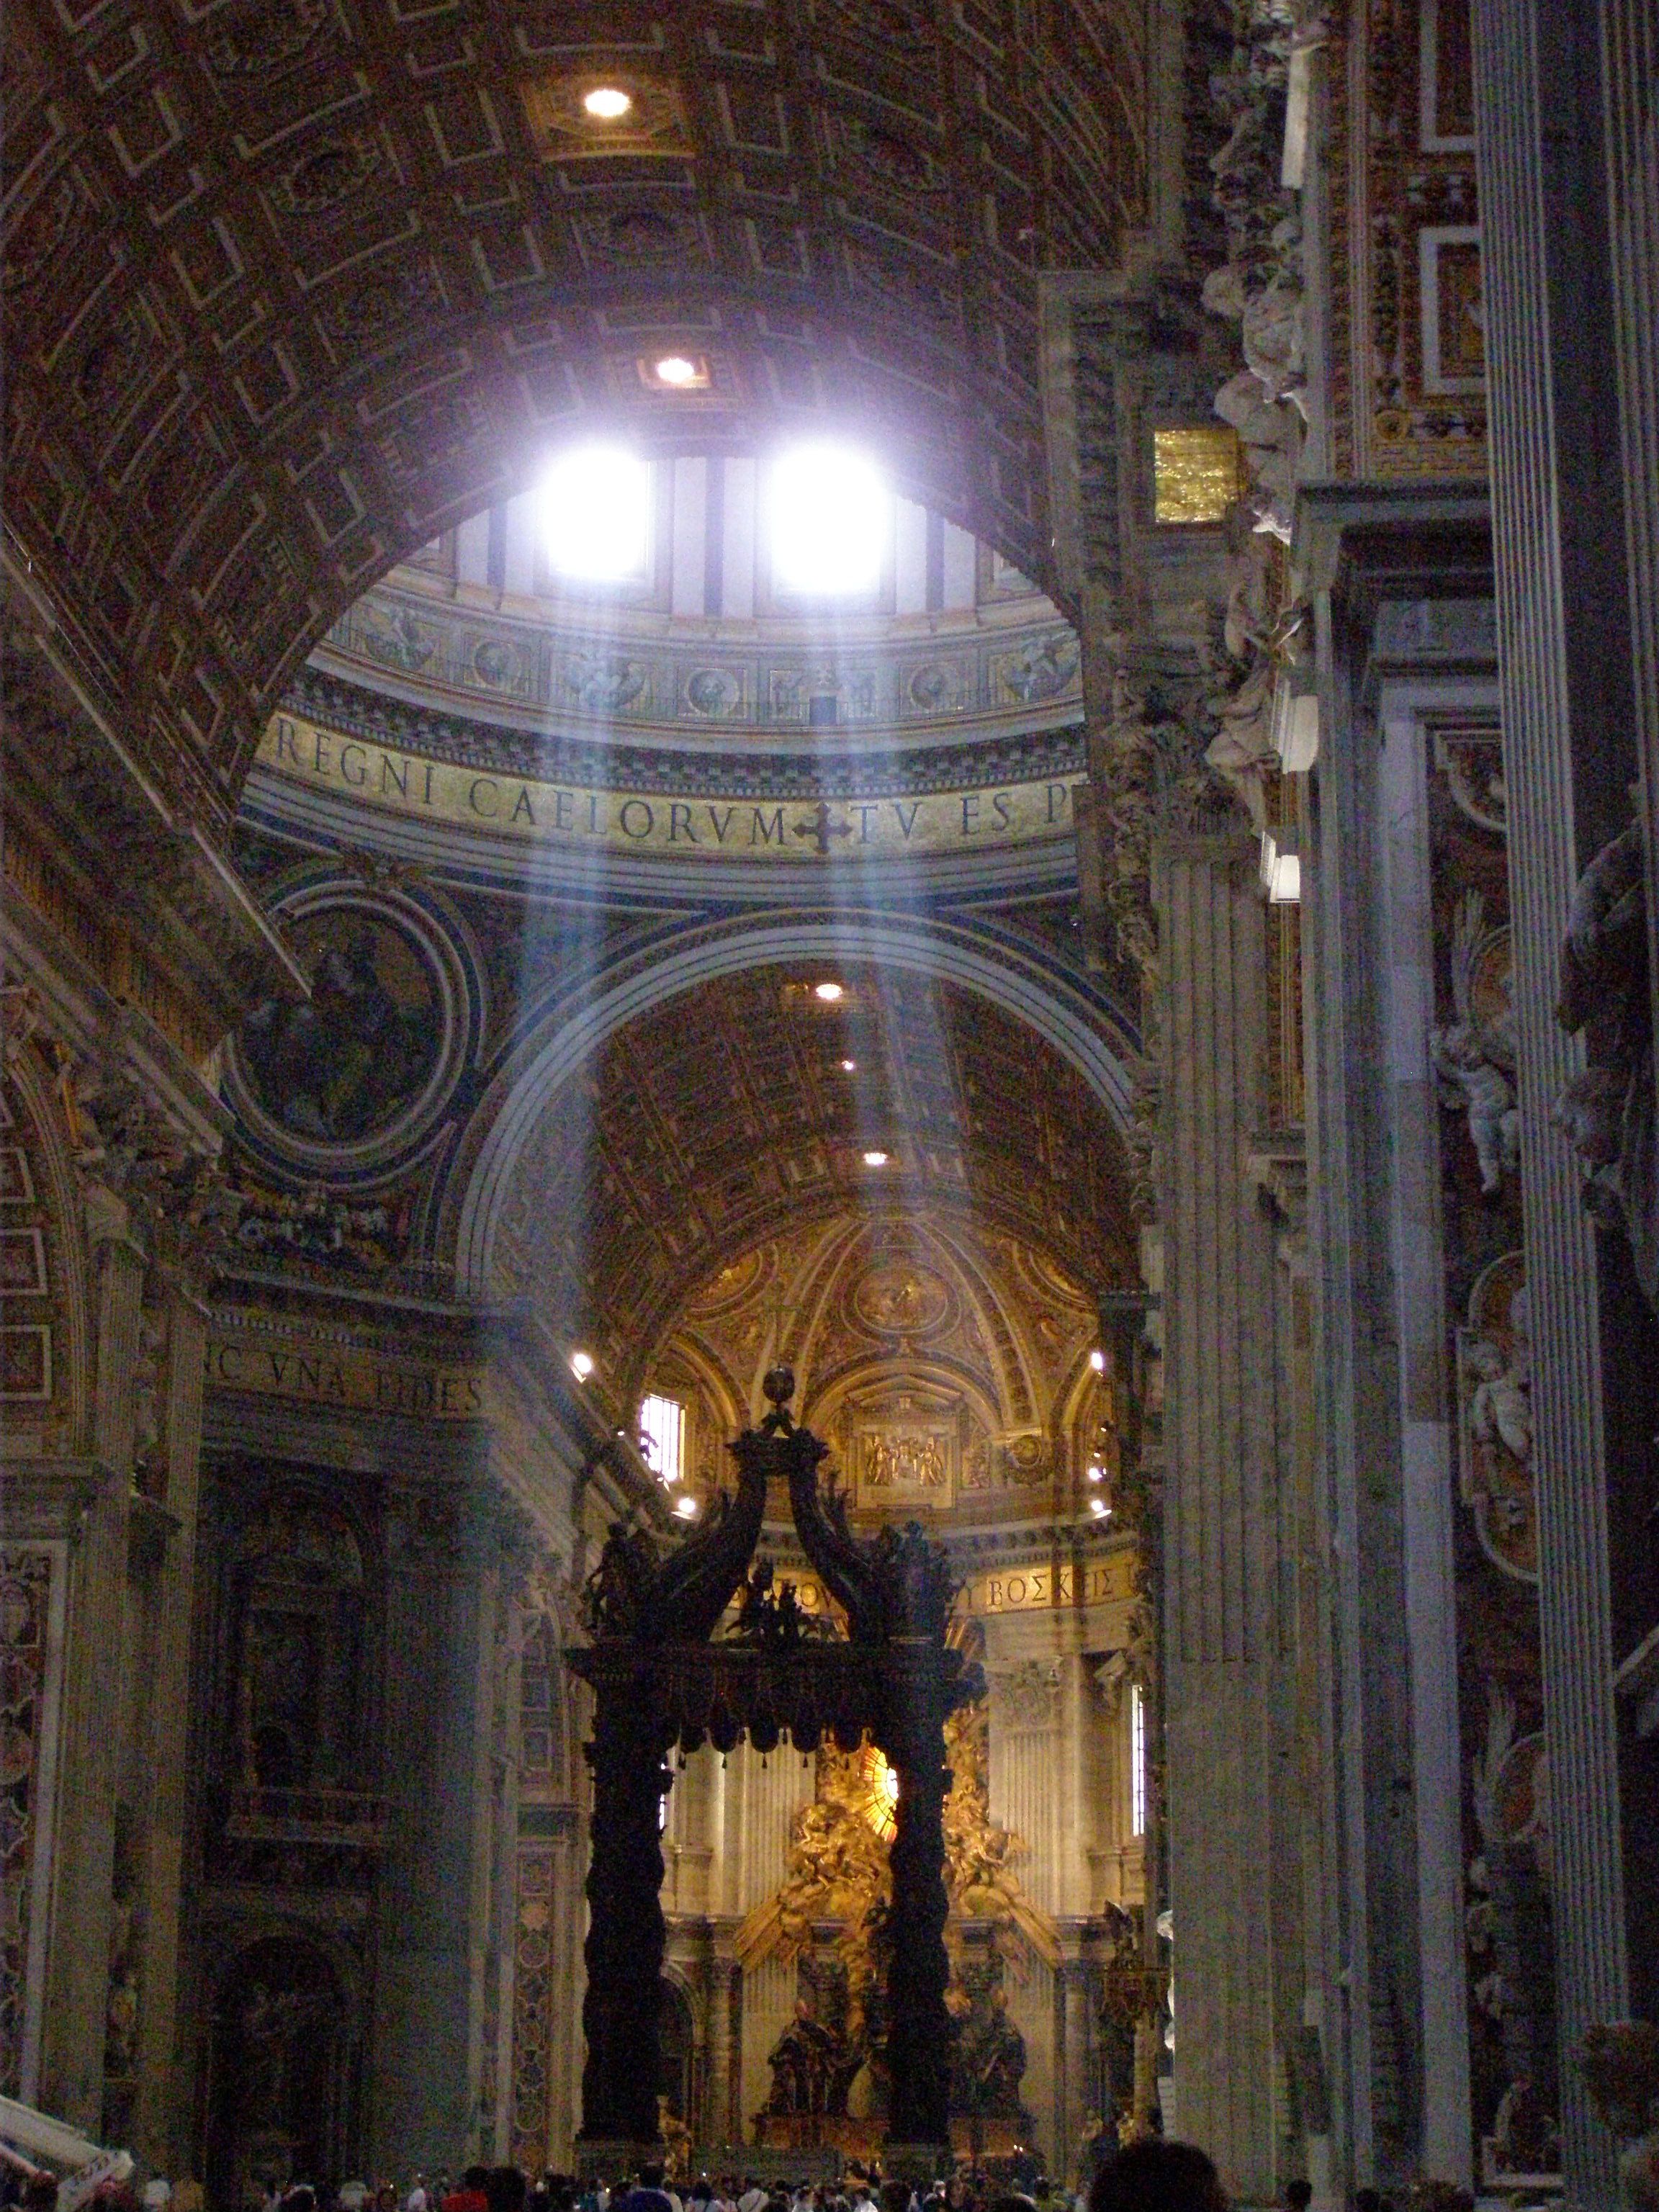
[[1561, 593], [161, 2122], [1227, 1679], [72, 2059], [565, 1951], [718, 2098], [441, 1596], [1630, 61]]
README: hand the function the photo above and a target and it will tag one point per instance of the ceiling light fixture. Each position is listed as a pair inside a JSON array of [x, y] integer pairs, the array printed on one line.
[[1097, 1360], [686, 1507], [607, 103], [674, 368], [830, 992], [1099, 1508], [595, 502], [581, 1365], [849, 1067], [1097, 1474], [831, 512], [875, 1159]]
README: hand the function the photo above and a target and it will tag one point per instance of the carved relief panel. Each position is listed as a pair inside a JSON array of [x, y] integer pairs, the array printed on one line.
[[1495, 1530]]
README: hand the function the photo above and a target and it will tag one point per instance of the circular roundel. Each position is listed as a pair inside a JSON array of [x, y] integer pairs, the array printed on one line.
[[347, 1085]]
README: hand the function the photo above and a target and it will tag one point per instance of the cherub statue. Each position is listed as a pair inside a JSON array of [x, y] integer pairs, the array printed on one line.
[[1470, 1058], [1500, 1406]]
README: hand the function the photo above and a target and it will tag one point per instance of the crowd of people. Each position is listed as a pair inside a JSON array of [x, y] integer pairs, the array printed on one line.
[[1150, 2175], [506, 2189]]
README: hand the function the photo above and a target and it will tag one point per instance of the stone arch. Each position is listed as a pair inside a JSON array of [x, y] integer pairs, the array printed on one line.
[[431, 337], [282, 2087], [1078, 1029]]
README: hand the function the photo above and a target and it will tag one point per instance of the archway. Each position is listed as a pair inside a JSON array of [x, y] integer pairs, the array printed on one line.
[[1052, 1007], [367, 323], [280, 2093]]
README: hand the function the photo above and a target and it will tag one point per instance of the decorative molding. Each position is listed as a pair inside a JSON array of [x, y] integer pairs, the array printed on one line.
[[342, 351], [765, 812], [922, 683], [1025, 750]]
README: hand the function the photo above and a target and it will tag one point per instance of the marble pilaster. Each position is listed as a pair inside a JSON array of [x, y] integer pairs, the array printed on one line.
[[72, 2058], [441, 1600], [162, 2119], [1227, 1674], [1630, 61], [1567, 703], [1396, 578]]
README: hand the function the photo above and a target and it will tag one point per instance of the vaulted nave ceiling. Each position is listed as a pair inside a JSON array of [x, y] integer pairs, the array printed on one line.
[[293, 284], [727, 1118]]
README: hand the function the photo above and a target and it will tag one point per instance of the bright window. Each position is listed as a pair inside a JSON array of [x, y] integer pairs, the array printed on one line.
[[830, 515], [1136, 1761], [596, 514], [662, 1438]]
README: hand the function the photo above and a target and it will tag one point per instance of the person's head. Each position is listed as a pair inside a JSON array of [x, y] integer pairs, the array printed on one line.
[[506, 2189], [651, 2177], [478, 2177], [1370, 2200], [1157, 2176], [1298, 2195]]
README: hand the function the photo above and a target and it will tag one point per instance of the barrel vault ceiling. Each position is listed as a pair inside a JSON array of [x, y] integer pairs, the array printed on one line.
[[290, 285], [727, 1118]]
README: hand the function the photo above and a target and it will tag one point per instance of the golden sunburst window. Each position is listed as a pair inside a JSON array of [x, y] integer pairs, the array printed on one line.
[[877, 1792]]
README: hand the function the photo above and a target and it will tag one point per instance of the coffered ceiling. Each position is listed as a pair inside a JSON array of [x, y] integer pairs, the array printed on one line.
[[727, 1117], [291, 285]]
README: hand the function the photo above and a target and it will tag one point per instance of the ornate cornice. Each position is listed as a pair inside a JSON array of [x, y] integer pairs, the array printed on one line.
[[839, 770], [1009, 666], [114, 869]]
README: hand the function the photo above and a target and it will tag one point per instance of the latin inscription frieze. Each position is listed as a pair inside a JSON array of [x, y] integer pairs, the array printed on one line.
[[532, 808], [353, 1381]]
